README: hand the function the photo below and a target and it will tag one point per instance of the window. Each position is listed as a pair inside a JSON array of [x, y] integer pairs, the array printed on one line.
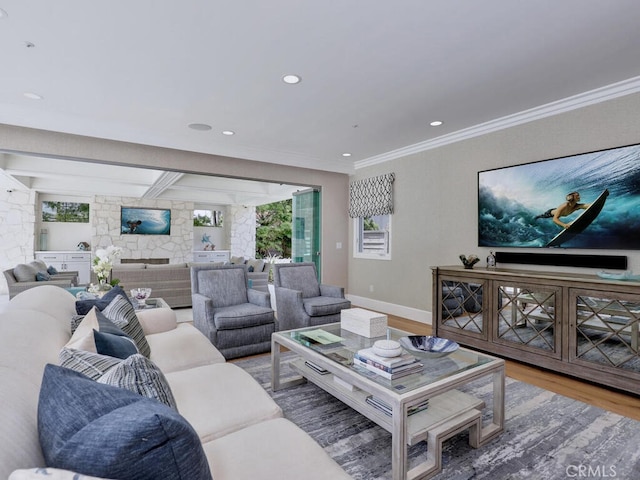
[[207, 218], [371, 206], [372, 237]]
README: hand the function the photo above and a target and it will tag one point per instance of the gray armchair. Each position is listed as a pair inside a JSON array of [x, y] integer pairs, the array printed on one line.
[[238, 320], [301, 301], [16, 286]]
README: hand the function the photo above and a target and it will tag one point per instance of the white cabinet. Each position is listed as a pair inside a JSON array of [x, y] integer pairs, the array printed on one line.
[[69, 262], [211, 256]]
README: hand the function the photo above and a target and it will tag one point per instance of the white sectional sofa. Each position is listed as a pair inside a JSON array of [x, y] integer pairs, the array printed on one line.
[[241, 429]]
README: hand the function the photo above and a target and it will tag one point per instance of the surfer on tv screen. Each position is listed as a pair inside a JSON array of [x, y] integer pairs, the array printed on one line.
[[567, 208]]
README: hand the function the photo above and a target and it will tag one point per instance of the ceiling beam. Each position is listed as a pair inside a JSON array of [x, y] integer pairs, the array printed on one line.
[[162, 183]]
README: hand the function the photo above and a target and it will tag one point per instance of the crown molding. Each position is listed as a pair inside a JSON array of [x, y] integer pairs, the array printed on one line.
[[592, 97]]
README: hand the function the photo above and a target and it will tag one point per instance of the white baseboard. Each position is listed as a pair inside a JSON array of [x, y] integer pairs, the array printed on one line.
[[422, 316]]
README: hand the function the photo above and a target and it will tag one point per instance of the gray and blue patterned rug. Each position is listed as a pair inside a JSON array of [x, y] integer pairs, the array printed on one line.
[[547, 436]]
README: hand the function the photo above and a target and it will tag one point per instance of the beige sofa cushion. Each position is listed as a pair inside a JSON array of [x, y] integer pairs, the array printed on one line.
[[157, 320], [182, 348], [19, 421], [226, 399], [166, 266], [29, 340], [281, 449], [49, 299], [128, 266]]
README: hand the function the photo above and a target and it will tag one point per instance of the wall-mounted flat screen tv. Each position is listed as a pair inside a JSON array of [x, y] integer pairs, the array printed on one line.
[[145, 221], [590, 200]]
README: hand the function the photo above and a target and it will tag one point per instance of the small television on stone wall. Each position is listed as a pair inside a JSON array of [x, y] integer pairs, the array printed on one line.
[[145, 221], [584, 201]]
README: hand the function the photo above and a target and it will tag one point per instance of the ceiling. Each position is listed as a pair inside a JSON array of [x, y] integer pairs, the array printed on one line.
[[374, 73], [63, 177]]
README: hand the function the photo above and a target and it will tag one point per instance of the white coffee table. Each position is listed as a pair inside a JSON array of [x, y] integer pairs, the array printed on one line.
[[450, 410]]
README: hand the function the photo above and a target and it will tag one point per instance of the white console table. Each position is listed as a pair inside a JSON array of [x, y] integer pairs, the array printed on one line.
[[211, 256], [68, 261]]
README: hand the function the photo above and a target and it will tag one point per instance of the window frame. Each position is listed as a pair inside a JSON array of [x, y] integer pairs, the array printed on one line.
[[358, 240]]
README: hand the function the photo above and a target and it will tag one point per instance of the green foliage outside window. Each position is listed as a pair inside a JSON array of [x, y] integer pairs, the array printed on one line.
[[369, 223], [202, 220], [65, 212], [273, 229]]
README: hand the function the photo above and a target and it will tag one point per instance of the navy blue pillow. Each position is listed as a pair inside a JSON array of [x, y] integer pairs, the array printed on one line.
[[51, 270], [83, 306], [114, 345], [110, 432], [107, 337], [42, 277]]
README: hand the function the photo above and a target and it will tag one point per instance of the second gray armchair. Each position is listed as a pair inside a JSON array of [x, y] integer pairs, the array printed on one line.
[[238, 320], [301, 301]]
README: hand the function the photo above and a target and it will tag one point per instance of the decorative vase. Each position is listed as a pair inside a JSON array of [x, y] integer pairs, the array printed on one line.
[[141, 295], [104, 286], [469, 261]]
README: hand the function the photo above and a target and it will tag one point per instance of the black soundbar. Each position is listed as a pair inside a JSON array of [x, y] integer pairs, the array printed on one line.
[[615, 262]]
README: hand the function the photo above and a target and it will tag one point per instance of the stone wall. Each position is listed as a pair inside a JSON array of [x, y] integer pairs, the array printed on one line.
[[242, 231], [17, 227], [105, 226]]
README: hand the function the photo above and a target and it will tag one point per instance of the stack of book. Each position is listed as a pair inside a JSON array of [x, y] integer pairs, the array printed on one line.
[[390, 368], [380, 405]]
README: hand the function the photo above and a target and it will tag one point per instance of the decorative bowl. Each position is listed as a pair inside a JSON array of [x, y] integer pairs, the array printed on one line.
[[427, 346], [140, 295], [626, 275], [387, 348]]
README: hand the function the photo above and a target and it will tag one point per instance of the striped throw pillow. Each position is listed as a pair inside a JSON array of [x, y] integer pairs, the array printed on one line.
[[122, 313], [93, 365], [140, 375]]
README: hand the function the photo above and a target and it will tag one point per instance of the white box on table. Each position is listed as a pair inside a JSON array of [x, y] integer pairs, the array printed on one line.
[[363, 322]]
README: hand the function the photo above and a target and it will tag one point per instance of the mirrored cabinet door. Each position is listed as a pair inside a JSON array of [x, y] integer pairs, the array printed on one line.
[[605, 332], [528, 317], [462, 305]]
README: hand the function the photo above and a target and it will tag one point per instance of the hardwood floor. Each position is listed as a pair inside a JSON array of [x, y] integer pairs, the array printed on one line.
[[614, 401]]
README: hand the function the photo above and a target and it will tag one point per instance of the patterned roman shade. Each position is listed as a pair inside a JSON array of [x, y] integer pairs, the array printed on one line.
[[371, 196]]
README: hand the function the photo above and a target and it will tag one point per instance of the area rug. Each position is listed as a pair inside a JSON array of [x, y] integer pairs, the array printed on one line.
[[547, 436]]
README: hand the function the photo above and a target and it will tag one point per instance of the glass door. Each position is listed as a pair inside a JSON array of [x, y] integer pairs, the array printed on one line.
[[305, 244]]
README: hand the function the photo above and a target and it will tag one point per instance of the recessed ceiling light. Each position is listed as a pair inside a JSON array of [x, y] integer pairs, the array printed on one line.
[[228, 132], [291, 79], [437, 123], [33, 96], [346, 154], [202, 127], [3, 14]]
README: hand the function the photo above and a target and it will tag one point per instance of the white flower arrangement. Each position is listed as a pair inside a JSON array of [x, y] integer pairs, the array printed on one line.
[[103, 261]]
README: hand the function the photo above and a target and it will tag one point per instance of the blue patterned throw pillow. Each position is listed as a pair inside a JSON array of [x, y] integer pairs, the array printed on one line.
[[51, 270], [110, 432]]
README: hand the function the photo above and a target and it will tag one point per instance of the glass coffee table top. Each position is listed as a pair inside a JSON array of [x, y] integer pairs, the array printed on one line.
[[340, 345]]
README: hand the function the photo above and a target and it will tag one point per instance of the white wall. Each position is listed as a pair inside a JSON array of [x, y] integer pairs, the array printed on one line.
[[219, 236], [435, 198], [62, 235], [17, 226]]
